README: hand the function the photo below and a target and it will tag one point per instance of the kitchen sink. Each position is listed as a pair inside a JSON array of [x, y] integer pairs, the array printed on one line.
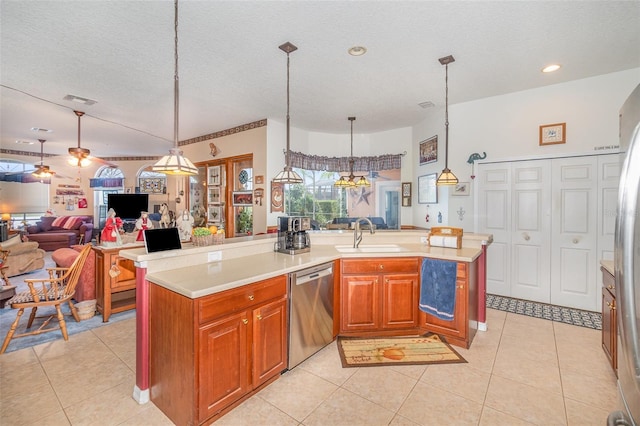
[[371, 248]]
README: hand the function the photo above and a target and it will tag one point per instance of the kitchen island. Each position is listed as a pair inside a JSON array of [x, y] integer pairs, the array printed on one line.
[[200, 299]]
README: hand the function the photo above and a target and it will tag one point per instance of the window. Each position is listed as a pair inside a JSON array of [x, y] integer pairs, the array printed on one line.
[[100, 193], [318, 198]]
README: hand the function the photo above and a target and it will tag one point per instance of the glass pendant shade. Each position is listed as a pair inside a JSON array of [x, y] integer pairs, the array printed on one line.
[[288, 176], [363, 182], [175, 163], [447, 178]]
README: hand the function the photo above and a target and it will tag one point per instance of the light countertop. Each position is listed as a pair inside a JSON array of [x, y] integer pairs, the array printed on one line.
[[207, 278]]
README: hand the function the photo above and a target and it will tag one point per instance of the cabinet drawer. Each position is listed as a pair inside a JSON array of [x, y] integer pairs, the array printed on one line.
[[237, 299], [608, 281], [380, 265]]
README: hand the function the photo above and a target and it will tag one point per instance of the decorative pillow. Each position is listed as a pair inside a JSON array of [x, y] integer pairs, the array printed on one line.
[[73, 222], [5, 245], [46, 223], [59, 222]]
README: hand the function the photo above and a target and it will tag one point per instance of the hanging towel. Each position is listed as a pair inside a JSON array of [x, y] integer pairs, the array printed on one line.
[[438, 288]]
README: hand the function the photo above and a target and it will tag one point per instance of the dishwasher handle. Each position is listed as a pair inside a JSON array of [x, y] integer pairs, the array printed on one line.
[[303, 279]]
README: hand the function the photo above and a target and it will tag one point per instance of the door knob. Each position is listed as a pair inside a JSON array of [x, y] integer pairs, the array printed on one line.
[[576, 240], [526, 236]]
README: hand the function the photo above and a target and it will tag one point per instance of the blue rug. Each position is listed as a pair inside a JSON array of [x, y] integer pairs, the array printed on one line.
[[8, 315]]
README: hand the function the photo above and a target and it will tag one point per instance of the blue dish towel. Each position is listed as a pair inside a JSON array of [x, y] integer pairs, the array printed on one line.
[[438, 288]]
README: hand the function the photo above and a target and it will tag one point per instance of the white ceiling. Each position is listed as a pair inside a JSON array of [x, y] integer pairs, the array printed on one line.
[[120, 53]]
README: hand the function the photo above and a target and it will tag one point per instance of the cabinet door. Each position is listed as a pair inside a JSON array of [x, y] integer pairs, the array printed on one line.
[[609, 330], [458, 327], [269, 341], [360, 303], [399, 301], [224, 369], [127, 272]]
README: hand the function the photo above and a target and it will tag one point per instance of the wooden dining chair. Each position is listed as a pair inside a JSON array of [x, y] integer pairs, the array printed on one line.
[[55, 290]]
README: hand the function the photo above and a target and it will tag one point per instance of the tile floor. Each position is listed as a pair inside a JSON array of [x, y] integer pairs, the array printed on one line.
[[522, 371]]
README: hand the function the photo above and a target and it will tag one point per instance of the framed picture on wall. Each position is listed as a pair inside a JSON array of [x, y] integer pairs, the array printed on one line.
[[429, 150], [461, 188], [406, 194], [242, 198], [427, 189], [551, 134]]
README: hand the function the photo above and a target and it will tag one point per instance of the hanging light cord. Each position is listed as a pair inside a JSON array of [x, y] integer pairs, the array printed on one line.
[[176, 90], [446, 116], [288, 163]]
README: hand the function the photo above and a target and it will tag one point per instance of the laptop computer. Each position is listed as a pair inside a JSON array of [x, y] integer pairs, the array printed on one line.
[[161, 239]]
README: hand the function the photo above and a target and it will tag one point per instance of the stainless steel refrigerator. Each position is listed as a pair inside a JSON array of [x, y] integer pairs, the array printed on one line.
[[627, 265]]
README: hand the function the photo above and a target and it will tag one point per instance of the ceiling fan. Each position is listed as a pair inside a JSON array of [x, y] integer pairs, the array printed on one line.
[[42, 171], [81, 156]]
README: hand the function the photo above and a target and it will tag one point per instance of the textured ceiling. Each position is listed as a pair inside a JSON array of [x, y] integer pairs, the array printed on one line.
[[120, 53]]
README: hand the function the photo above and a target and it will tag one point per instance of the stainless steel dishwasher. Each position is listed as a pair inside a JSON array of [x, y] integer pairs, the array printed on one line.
[[310, 312]]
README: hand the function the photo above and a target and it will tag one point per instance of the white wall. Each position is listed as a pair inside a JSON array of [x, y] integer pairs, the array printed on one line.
[[507, 127]]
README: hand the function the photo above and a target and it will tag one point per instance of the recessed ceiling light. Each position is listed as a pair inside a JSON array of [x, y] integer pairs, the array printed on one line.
[[79, 99], [551, 68], [357, 50], [25, 142], [426, 104], [38, 129]]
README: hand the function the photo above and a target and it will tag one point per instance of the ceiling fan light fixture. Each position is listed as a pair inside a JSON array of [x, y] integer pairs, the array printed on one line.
[[42, 171], [175, 163], [288, 175], [446, 177]]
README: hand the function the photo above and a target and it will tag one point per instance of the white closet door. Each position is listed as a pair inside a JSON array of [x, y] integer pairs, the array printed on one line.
[[608, 180], [530, 240], [574, 233], [494, 217]]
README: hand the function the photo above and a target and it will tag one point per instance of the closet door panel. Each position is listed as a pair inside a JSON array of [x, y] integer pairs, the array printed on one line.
[[574, 233], [494, 217], [608, 180], [530, 230]]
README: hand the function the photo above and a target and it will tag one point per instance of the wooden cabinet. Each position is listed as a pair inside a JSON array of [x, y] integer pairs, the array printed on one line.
[[115, 281], [461, 330], [379, 294], [609, 319], [237, 344]]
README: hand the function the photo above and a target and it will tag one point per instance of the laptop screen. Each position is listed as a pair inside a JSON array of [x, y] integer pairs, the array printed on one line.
[[161, 239]]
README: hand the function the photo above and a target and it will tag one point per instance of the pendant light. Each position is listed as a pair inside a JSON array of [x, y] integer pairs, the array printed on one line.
[[288, 175], [175, 163], [79, 155], [446, 177], [350, 181], [42, 171]]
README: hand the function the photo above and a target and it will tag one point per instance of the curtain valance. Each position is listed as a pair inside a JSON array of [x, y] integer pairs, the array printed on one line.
[[106, 183], [341, 164]]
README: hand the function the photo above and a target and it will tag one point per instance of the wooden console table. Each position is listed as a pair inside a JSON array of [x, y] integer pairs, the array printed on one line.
[[115, 281]]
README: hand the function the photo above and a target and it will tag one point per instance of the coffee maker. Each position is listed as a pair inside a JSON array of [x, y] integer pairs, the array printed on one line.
[[293, 237]]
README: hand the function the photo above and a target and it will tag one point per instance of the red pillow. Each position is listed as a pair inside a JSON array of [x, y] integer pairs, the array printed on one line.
[[59, 222], [73, 222]]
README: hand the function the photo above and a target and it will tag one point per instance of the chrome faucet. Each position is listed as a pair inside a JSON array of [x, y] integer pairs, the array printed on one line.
[[358, 238]]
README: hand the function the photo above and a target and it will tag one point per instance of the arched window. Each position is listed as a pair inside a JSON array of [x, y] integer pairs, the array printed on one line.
[[108, 180]]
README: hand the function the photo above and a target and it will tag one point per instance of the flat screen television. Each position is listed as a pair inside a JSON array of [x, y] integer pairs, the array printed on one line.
[[128, 206]]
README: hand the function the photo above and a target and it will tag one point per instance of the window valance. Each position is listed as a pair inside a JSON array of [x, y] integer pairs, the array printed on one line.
[[106, 183], [341, 164], [26, 177]]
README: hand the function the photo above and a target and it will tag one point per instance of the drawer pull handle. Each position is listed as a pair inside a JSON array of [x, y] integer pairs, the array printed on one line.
[[461, 287], [251, 297], [259, 317], [610, 287], [611, 305], [387, 280], [381, 266], [245, 321]]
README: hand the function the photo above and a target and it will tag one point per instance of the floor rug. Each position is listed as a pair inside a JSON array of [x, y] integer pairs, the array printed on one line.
[[384, 351], [546, 311]]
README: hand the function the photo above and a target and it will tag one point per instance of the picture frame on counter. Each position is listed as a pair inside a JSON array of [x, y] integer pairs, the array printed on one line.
[[552, 134], [427, 189]]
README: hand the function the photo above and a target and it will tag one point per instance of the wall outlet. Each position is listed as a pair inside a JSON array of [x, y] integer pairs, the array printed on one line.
[[214, 256], [423, 240]]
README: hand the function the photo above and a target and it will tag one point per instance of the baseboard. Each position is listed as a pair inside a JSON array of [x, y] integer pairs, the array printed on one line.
[[141, 396]]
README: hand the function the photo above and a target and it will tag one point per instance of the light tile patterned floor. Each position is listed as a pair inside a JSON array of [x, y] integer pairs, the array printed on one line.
[[522, 371]]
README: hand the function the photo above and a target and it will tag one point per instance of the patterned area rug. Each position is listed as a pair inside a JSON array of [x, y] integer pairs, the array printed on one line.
[[368, 352], [545, 311]]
